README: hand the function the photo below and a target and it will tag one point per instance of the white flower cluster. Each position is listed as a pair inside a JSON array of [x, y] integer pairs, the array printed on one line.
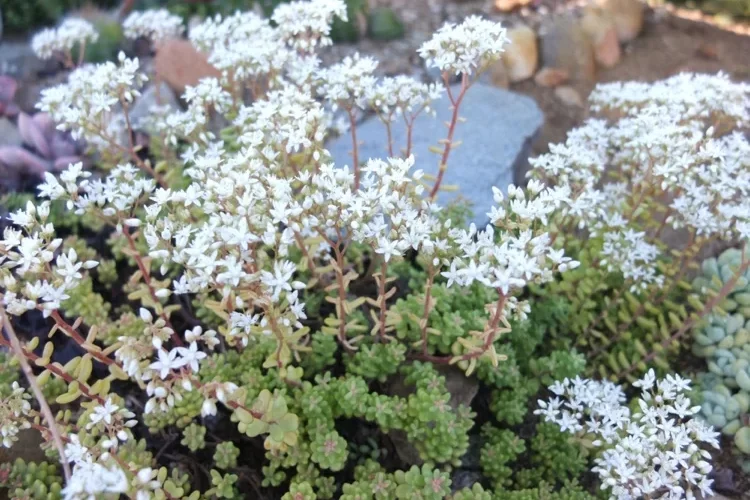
[[87, 102], [688, 95], [628, 252], [92, 475], [288, 121], [465, 48], [51, 42], [652, 453], [402, 96], [29, 253], [154, 24], [346, 83], [14, 409], [204, 99], [242, 46], [661, 160], [305, 26]]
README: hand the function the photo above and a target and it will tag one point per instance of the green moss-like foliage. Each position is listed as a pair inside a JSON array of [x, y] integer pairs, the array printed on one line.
[[21, 17], [622, 332], [31, 480]]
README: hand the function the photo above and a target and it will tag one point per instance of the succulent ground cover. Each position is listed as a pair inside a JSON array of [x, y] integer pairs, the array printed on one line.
[[231, 315]]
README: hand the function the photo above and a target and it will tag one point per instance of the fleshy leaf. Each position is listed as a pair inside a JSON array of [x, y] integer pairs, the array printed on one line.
[[33, 135], [18, 158]]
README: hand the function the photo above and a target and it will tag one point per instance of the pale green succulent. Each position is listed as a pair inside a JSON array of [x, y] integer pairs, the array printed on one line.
[[723, 338]]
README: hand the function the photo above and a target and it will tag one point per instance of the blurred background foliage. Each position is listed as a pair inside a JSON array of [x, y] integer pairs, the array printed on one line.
[[23, 16]]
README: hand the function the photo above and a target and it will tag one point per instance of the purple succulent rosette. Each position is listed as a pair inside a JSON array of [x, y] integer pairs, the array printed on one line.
[[47, 149]]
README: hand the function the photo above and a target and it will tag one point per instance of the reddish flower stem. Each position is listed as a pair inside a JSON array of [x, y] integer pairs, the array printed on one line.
[[355, 147], [492, 328], [43, 405], [147, 279], [456, 102]]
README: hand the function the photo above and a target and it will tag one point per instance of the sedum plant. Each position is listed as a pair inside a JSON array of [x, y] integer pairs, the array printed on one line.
[[252, 229], [237, 287], [723, 339], [650, 451], [657, 177]]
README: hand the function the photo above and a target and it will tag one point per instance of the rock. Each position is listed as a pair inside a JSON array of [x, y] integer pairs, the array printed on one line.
[[569, 96], [463, 478], [496, 140], [627, 16], [17, 60], [462, 389], [602, 32], [158, 94], [383, 24], [565, 46], [707, 51], [179, 63], [9, 134], [522, 54], [496, 75], [508, 5], [30, 92], [551, 77]]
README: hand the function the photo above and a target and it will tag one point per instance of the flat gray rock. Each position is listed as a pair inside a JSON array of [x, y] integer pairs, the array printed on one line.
[[496, 140], [148, 99]]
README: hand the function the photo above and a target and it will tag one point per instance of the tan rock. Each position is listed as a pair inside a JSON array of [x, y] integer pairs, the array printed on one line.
[[497, 74], [179, 64], [521, 55], [564, 46], [551, 77], [569, 96], [627, 16], [508, 5], [601, 30]]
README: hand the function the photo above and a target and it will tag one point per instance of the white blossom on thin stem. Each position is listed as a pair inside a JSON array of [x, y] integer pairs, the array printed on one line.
[[51, 42], [305, 26], [652, 452], [87, 103], [466, 47], [154, 24]]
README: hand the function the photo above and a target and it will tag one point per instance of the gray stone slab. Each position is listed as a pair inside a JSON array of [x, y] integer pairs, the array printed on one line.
[[496, 140]]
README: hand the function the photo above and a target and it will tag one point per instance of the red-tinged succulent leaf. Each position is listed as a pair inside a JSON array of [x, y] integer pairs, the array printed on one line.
[[65, 161], [18, 158], [33, 135], [45, 123], [62, 145], [8, 88]]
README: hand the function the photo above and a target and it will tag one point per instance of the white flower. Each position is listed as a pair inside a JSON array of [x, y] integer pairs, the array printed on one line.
[[92, 478], [155, 24], [466, 47], [51, 41], [191, 356], [103, 413], [307, 25], [167, 362], [632, 445], [346, 84]]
